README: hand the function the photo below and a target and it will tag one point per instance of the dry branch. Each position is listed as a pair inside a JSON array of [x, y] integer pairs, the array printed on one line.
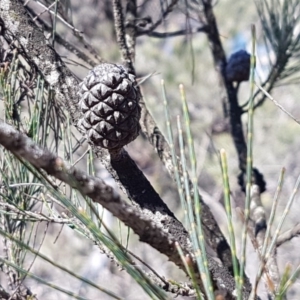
[[288, 235], [257, 215], [157, 227], [214, 236], [20, 145], [144, 226]]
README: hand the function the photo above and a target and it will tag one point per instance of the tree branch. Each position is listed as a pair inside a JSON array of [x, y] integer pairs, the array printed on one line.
[[288, 235], [120, 32], [23, 34], [70, 47], [257, 215], [229, 96], [163, 35], [164, 14], [213, 234], [21, 146], [144, 226], [130, 27]]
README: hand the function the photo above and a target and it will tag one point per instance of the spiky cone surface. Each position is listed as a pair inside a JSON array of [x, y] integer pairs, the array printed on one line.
[[238, 66], [109, 102]]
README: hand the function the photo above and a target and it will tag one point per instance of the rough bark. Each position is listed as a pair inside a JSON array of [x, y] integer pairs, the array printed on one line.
[[156, 224]]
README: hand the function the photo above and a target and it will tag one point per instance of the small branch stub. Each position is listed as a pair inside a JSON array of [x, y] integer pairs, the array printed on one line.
[[109, 102]]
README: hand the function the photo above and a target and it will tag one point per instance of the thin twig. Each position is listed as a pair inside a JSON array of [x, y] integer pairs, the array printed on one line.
[[165, 13], [33, 217], [257, 215], [163, 35], [131, 16], [120, 32], [66, 87], [75, 30], [288, 235], [68, 45], [277, 104], [90, 186]]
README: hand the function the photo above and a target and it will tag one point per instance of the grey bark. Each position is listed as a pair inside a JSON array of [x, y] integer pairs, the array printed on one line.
[[157, 229]]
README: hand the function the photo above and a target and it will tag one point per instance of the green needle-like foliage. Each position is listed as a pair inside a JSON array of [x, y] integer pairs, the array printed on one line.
[[229, 215], [249, 166], [190, 216], [24, 188], [53, 263], [195, 206], [280, 21], [268, 233]]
